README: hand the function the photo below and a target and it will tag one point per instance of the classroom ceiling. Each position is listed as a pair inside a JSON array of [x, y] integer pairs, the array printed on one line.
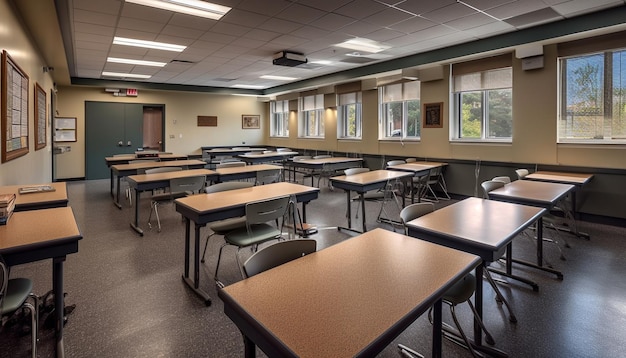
[[237, 49]]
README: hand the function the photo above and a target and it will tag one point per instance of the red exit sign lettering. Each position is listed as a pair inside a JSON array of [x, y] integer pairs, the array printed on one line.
[[131, 92]]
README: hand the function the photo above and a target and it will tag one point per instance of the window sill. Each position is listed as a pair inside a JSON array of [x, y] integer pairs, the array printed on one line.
[[398, 139], [482, 141]]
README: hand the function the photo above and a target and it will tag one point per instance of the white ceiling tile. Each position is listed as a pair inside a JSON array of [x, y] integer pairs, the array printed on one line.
[[577, 7], [325, 5], [422, 7], [384, 35], [191, 22], [361, 9], [488, 4], [310, 32], [289, 41], [96, 18], [230, 29], [280, 25], [247, 18], [301, 14], [412, 25], [471, 21], [516, 8], [141, 25], [388, 17], [266, 7], [220, 38], [332, 22], [103, 6], [184, 32], [82, 36], [448, 13], [92, 45], [145, 12], [94, 29], [261, 35], [492, 29]]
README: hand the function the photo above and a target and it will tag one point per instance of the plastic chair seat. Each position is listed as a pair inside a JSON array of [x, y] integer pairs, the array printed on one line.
[[227, 225], [257, 234], [18, 290], [461, 291]]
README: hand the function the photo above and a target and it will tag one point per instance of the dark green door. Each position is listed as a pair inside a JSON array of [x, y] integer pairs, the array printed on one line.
[[110, 128]]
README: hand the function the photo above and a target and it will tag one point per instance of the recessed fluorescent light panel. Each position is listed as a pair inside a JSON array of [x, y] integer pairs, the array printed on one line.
[[247, 86], [189, 7], [148, 44], [362, 44], [125, 75], [321, 62], [278, 78], [136, 62]]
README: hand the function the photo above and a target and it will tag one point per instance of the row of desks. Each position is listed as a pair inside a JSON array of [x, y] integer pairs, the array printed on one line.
[[42, 227]]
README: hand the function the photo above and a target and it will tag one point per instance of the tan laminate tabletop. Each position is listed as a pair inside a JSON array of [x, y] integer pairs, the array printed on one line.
[[36, 226], [561, 177], [128, 157], [59, 194], [151, 164], [483, 222], [144, 178], [203, 203], [246, 169], [335, 302], [532, 191], [331, 160], [374, 176], [415, 166], [270, 154]]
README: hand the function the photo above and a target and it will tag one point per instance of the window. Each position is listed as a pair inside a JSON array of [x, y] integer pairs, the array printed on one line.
[[349, 115], [279, 113], [312, 116], [593, 98], [400, 110], [483, 107]]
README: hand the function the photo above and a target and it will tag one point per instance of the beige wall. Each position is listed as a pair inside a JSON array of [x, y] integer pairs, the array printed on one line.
[[36, 166], [181, 112], [534, 132]]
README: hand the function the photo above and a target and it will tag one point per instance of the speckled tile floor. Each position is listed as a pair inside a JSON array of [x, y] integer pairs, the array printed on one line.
[[131, 302]]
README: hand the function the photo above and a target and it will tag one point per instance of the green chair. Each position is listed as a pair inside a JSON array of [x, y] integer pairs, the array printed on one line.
[[278, 254], [14, 295], [179, 188]]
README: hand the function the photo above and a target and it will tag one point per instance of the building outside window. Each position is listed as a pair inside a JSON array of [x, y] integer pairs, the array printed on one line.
[[279, 114], [400, 110], [312, 116], [349, 115], [483, 107], [592, 98]]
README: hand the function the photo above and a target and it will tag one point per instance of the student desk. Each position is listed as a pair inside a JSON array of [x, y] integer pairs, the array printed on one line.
[[328, 164], [576, 179], [143, 182], [125, 159], [482, 227], [534, 193], [39, 200], [42, 234], [238, 173], [351, 299], [362, 183], [124, 170], [419, 169], [256, 158], [209, 154], [206, 208]]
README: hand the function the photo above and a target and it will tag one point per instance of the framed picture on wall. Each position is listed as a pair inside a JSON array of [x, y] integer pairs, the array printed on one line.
[[250, 121], [433, 115]]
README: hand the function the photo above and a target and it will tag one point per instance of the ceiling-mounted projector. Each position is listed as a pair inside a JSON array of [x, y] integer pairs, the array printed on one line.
[[290, 59]]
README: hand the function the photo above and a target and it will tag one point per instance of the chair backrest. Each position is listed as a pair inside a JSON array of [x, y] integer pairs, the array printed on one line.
[[433, 175], [352, 171], [410, 160], [283, 150], [278, 254], [229, 185], [258, 212], [231, 164], [490, 185], [322, 156], [187, 184], [414, 211], [395, 162], [521, 173], [162, 170], [267, 176], [503, 179]]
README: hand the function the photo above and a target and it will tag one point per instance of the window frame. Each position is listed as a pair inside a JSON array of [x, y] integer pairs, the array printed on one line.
[[279, 119], [405, 99], [344, 104], [311, 108]]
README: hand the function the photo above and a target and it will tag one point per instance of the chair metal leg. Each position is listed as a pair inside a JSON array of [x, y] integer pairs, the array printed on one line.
[[205, 246], [461, 332], [499, 296], [154, 208], [488, 337], [217, 266], [34, 319]]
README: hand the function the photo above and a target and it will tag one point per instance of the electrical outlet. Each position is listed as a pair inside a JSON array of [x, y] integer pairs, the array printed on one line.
[[180, 135], [172, 136]]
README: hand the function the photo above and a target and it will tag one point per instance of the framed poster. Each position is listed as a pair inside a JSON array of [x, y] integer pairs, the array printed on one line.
[[40, 117], [250, 121], [433, 115], [65, 129], [14, 109]]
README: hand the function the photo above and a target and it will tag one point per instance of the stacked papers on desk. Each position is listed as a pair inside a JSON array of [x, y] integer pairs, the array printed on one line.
[[7, 205]]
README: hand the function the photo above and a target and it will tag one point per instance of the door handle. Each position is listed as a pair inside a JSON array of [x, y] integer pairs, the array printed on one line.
[[128, 144], [120, 143]]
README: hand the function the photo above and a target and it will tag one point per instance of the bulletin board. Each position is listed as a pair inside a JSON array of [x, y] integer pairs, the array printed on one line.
[[14, 116], [40, 117], [65, 129]]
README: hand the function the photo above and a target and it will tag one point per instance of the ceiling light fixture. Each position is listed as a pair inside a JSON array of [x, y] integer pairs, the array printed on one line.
[[279, 78], [148, 44], [248, 86], [136, 62], [190, 7], [125, 75], [363, 44]]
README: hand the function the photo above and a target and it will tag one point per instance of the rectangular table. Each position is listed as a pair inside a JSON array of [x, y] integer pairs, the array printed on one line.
[[419, 169], [482, 227], [39, 200], [328, 164], [255, 158], [362, 183], [238, 173], [576, 179], [125, 159], [534, 193], [348, 300], [209, 154], [145, 182], [43, 234], [124, 170], [206, 208]]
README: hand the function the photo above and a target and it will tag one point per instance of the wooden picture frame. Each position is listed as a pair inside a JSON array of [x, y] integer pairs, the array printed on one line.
[[250, 121], [432, 115], [14, 110], [65, 129], [41, 138]]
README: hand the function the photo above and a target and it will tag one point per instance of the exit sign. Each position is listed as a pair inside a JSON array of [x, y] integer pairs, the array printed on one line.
[[132, 92]]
